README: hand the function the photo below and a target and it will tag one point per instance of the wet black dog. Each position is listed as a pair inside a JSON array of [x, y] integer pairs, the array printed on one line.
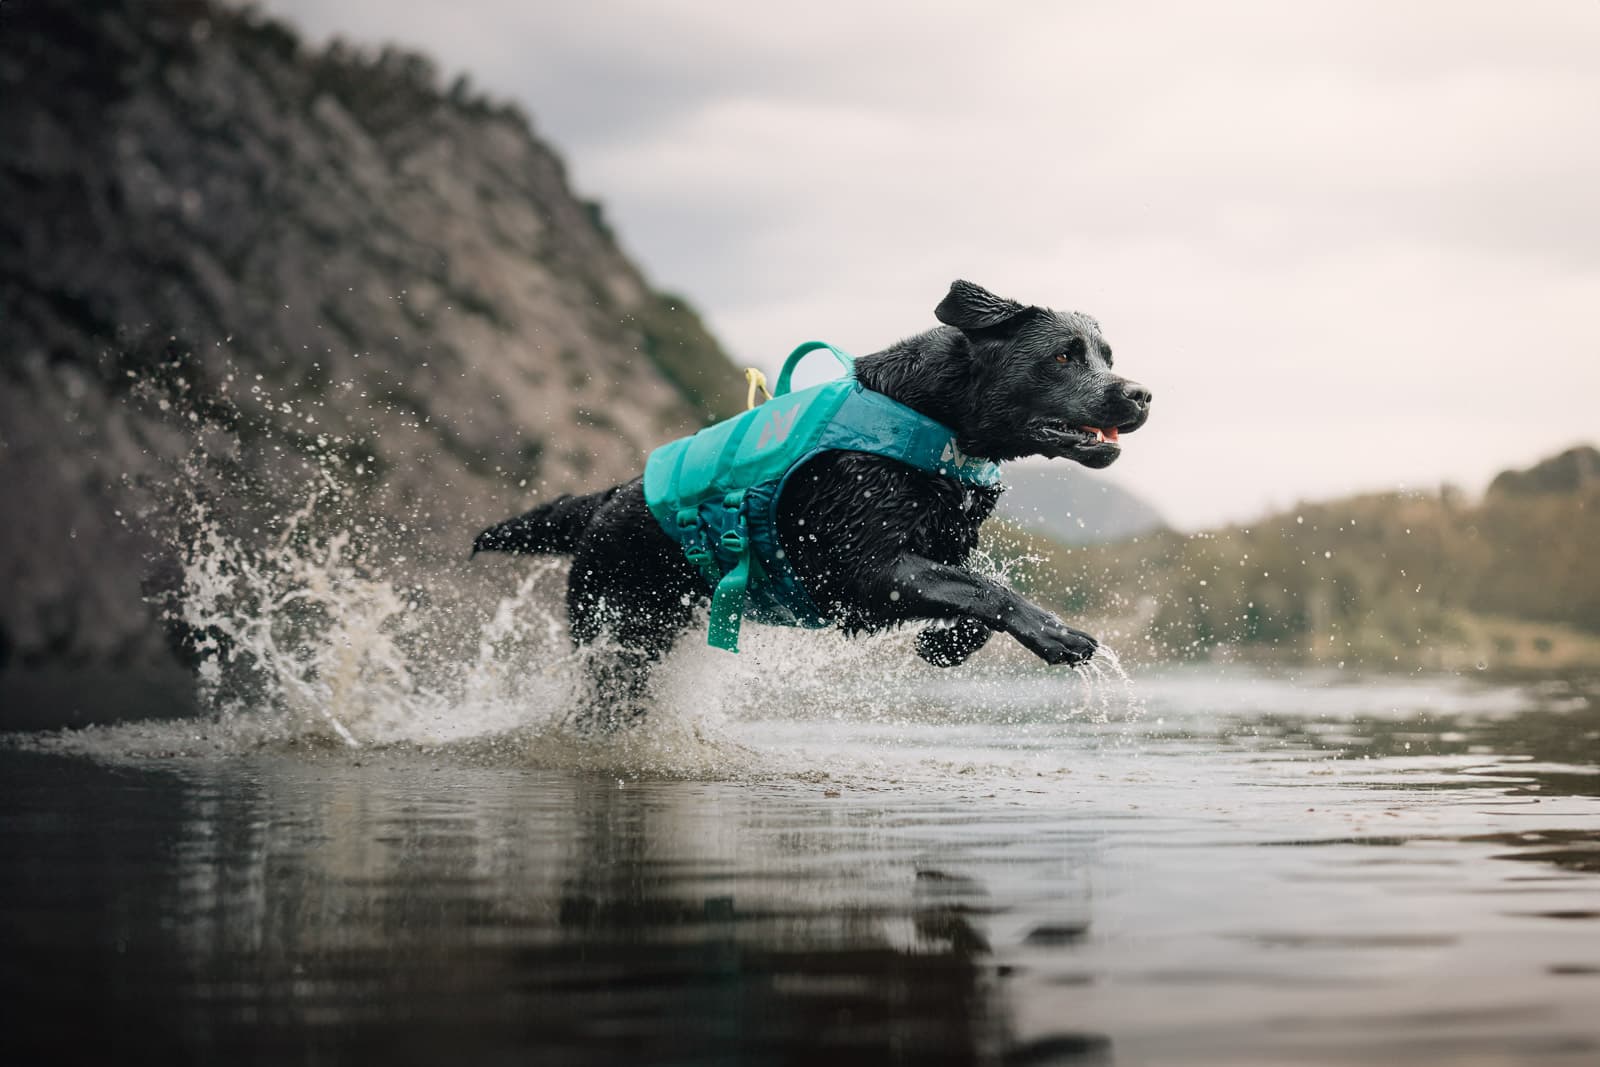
[[877, 542]]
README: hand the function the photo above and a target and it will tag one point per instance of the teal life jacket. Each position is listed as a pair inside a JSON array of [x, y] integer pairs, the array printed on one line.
[[716, 493]]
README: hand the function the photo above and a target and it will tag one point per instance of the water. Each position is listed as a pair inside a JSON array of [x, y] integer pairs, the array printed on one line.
[[1235, 868], [388, 843]]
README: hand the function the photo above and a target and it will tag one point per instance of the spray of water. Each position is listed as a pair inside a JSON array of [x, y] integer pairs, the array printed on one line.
[[307, 643]]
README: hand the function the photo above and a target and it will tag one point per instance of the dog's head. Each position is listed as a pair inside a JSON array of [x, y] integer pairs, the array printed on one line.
[[1042, 382]]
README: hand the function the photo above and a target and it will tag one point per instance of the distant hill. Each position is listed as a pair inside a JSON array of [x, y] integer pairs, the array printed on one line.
[[1573, 470], [1385, 580], [1069, 504]]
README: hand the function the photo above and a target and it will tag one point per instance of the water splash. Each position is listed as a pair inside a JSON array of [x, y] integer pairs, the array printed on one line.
[[310, 642], [1108, 687]]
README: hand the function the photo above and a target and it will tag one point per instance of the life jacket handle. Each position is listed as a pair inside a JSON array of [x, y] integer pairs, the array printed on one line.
[[846, 360]]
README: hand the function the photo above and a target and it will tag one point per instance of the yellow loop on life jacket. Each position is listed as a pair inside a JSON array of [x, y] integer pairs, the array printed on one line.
[[756, 380]]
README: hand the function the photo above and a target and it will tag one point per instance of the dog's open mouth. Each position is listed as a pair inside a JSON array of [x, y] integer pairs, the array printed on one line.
[[1093, 446], [1079, 436], [1101, 436]]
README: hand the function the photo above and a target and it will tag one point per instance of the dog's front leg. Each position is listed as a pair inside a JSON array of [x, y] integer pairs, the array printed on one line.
[[915, 587]]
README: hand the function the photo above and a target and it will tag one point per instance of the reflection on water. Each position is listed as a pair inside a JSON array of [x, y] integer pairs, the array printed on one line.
[[279, 910], [1253, 871]]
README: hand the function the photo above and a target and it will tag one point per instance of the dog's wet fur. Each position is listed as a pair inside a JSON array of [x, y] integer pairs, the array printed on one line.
[[875, 542]]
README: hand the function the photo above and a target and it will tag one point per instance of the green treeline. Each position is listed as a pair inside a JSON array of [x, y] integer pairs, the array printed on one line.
[[1407, 578]]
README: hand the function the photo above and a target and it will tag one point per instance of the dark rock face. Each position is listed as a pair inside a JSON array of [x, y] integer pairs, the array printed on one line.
[[213, 240], [1572, 471]]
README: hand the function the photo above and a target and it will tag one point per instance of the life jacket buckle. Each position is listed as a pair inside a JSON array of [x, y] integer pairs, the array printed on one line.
[[695, 549], [736, 539]]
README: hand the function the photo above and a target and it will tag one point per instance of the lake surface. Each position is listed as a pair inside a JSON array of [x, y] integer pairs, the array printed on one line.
[[999, 865]]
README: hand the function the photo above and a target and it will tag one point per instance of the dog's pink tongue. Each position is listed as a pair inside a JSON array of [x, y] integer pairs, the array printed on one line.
[[1111, 435]]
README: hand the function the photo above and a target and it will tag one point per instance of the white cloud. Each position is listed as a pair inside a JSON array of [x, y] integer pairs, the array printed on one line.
[[1348, 245]]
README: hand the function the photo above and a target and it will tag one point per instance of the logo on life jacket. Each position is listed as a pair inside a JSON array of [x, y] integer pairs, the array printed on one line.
[[953, 455], [778, 426]]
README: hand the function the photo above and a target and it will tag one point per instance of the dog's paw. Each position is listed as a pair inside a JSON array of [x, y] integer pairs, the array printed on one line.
[[1058, 644], [951, 645]]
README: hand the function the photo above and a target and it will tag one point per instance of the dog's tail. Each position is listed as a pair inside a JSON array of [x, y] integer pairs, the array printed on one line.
[[554, 527]]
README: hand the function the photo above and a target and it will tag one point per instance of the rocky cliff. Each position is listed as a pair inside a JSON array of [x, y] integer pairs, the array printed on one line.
[[215, 242]]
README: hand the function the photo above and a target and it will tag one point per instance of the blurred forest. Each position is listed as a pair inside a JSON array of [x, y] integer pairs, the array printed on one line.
[[1396, 579]]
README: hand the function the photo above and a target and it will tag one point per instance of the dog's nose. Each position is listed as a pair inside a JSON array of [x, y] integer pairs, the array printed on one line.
[[1137, 393]]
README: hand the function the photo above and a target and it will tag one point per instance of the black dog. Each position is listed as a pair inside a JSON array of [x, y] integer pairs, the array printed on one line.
[[875, 542]]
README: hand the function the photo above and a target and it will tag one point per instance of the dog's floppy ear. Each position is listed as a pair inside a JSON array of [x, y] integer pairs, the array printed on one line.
[[970, 307]]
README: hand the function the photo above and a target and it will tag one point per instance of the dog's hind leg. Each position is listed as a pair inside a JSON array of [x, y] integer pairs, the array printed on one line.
[[630, 581], [642, 633], [617, 692]]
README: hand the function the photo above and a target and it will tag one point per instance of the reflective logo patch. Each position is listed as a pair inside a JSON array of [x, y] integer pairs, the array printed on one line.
[[778, 426], [953, 455]]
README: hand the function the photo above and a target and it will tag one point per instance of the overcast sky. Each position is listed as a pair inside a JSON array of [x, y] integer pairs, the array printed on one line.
[[1348, 245]]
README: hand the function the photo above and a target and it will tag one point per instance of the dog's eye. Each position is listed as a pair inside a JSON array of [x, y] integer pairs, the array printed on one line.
[[1074, 350]]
